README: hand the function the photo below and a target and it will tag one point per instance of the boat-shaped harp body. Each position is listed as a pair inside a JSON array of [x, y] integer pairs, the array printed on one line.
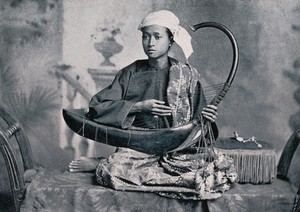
[[150, 141]]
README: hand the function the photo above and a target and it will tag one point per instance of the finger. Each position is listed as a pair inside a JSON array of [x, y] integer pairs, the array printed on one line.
[[210, 115], [208, 110], [209, 118], [209, 107], [161, 114], [73, 163], [73, 166], [159, 111], [213, 107], [163, 107], [73, 170], [158, 102]]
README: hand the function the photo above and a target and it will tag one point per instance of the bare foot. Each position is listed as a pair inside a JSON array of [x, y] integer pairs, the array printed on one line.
[[84, 164]]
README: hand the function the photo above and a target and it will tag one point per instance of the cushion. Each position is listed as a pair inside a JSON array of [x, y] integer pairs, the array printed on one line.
[[253, 164]]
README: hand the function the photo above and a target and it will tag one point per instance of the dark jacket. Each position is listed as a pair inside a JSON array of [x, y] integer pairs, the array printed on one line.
[[138, 82]]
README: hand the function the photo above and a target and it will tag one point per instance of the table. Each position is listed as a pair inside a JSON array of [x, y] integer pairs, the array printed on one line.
[[65, 191]]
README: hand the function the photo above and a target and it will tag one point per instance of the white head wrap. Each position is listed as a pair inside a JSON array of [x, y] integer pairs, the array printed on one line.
[[167, 19]]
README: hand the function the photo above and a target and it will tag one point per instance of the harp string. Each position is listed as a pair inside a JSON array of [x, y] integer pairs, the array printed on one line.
[[84, 121], [211, 91], [95, 139], [206, 141], [212, 153], [201, 142]]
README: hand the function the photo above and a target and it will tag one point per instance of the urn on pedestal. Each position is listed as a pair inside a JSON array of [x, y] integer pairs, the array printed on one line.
[[105, 41]]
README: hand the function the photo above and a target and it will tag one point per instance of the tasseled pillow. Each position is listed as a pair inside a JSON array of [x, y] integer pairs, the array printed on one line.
[[255, 162]]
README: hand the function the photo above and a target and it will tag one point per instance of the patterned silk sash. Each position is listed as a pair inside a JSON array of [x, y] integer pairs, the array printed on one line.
[[181, 87]]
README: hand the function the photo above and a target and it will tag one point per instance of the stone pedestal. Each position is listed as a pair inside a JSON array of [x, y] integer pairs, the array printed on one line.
[[102, 76]]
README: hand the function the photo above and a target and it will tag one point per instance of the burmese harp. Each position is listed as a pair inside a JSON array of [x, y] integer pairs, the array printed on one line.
[[153, 141]]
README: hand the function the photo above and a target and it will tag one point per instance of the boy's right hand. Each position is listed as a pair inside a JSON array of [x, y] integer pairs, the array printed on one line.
[[153, 106]]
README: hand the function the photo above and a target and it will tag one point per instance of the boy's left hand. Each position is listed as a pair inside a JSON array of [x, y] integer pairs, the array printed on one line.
[[210, 112]]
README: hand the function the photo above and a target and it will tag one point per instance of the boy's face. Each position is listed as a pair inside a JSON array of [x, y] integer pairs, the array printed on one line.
[[156, 41]]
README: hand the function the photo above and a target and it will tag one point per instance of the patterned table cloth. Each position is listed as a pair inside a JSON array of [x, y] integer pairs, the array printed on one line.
[[63, 191]]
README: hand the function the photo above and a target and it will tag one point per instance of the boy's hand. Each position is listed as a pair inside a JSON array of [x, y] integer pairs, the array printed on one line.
[[153, 106], [210, 112]]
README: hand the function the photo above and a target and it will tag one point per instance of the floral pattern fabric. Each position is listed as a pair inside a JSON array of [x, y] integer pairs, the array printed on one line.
[[180, 176], [62, 191]]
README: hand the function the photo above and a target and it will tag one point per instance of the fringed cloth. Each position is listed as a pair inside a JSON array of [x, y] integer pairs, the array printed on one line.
[[180, 176], [253, 164]]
